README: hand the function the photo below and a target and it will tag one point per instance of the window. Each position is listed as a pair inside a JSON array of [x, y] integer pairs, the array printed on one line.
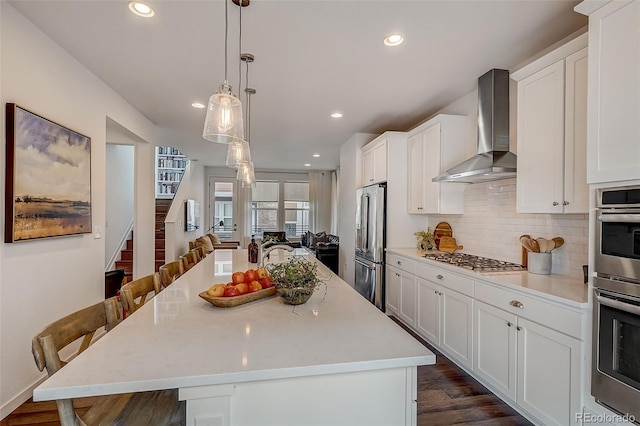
[[278, 205], [264, 207], [296, 208]]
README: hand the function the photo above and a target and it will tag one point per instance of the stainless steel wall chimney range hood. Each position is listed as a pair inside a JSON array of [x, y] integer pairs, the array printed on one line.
[[493, 161]]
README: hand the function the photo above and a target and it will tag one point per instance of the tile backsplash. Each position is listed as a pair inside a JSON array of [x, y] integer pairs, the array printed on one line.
[[491, 227]]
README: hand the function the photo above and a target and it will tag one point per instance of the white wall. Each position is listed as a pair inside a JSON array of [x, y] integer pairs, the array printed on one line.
[[119, 197], [43, 280], [350, 180], [192, 187]]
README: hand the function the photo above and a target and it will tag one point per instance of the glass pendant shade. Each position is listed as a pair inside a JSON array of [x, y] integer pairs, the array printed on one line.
[[223, 123], [246, 174], [238, 152]]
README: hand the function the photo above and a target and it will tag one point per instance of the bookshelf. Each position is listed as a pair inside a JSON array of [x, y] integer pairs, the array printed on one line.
[[170, 165]]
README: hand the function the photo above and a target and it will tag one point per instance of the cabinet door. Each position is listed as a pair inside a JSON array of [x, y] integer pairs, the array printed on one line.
[[614, 93], [541, 141], [408, 302], [380, 162], [495, 348], [428, 321], [576, 190], [549, 374], [367, 167], [457, 326], [415, 173], [431, 167], [393, 282]]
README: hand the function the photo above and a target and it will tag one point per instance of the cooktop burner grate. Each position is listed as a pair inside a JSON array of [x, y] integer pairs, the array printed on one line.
[[474, 263]]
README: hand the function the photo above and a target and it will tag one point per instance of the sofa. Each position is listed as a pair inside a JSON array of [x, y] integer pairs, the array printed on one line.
[[326, 248], [280, 237]]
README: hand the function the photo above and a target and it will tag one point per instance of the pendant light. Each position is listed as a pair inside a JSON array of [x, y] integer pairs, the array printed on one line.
[[239, 151], [246, 173], [223, 123]]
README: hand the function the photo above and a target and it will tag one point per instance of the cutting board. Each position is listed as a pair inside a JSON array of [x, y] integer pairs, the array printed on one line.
[[443, 229], [449, 244]]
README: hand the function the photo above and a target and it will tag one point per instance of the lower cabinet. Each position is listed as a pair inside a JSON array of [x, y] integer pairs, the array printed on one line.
[[536, 367], [445, 318], [401, 294]]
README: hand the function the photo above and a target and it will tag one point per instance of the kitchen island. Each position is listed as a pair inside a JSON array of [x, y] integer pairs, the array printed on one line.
[[334, 360]]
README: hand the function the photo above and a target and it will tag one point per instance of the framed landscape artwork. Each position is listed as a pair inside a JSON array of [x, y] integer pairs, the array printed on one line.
[[48, 178]]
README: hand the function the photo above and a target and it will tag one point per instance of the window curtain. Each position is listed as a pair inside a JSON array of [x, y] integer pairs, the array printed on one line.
[[320, 202]]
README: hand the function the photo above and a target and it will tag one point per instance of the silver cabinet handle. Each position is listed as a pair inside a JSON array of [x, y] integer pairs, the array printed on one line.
[[440, 277], [509, 324], [519, 328], [370, 180], [419, 208], [555, 203], [397, 274], [516, 304], [398, 262], [565, 203]]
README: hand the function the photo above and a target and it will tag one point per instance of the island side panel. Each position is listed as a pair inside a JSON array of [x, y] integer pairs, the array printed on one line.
[[376, 397]]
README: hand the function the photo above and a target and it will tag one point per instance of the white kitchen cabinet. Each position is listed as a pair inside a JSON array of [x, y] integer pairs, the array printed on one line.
[[374, 161], [434, 147], [614, 90], [402, 295], [445, 316], [552, 122], [533, 365]]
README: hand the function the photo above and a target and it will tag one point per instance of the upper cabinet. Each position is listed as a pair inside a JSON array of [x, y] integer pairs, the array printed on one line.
[[434, 147], [614, 91], [552, 124], [374, 161]]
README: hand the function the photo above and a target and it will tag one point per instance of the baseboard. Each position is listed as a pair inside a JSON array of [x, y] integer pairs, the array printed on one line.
[[20, 398]]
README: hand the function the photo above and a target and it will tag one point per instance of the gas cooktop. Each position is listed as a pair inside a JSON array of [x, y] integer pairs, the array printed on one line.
[[474, 263]]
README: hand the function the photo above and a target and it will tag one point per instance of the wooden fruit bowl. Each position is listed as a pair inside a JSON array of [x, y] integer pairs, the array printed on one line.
[[230, 302]]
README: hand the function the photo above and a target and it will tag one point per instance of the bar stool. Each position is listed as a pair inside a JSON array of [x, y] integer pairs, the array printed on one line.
[[139, 290], [156, 407], [170, 271]]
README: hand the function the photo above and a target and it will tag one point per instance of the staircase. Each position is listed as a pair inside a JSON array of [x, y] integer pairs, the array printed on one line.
[[126, 254]]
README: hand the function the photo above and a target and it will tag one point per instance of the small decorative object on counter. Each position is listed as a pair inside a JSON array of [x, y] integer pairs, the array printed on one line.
[[449, 244], [426, 240], [295, 279], [252, 250], [443, 229], [539, 263]]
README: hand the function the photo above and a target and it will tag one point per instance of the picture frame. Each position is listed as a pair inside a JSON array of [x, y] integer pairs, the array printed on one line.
[[192, 215], [48, 178]]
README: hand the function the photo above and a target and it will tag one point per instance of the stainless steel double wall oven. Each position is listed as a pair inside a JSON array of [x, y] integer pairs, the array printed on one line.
[[615, 379]]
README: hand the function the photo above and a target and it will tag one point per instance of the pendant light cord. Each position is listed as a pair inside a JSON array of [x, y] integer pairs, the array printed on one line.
[[226, 37]]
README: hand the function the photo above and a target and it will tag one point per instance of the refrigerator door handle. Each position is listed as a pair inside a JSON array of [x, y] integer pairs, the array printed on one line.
[[366, 265], [365, 221]]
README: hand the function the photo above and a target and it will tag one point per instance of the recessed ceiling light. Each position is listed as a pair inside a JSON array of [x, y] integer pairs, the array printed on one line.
[[336, 115], [198, 105], [307, 165], [141, 9], [316, 155], [393, 39]]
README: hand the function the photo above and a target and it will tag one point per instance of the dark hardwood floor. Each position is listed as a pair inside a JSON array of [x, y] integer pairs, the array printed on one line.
[[446, 396]]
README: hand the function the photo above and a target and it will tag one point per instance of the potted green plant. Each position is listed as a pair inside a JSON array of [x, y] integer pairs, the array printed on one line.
[[426, 240], [295, 280]]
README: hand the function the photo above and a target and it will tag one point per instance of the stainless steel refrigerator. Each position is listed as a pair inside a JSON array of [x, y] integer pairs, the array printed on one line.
[[370, 243]]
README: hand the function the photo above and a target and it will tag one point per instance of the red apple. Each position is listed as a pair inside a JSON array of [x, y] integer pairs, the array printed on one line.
[[267, 282], [251, 275], [238, 277], [254, 286], [230, 291], [243, 288]]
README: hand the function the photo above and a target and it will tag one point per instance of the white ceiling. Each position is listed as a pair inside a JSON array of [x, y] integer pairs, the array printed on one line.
[[312, 58]]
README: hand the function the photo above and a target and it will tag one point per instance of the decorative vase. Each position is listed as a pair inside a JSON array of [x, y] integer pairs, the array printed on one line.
[[295, 295]]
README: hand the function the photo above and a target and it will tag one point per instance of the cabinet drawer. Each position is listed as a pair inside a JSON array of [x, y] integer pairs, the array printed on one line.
[[541, 311], [402, 263], [445, 278]]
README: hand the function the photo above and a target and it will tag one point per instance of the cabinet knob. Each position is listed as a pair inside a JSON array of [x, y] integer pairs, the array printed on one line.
[[565, 203], [555, 203], [516, 304], [509, 324], [370, 180], [397, 274], [419, 208], [440, 277], [519, 328], [398, 262], [436, 291]]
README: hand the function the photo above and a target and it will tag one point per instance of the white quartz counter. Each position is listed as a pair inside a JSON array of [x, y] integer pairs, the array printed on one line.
[[178, 340], [560, 288]]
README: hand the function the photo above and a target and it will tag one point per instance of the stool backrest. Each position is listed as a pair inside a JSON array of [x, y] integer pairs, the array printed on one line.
[[134, 294], [170, 271]]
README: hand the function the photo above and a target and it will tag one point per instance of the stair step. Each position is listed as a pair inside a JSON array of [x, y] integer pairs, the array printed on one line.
[[160, 244], [127, 265], [159, 235], [126, 254], [158, 265], [129, 245]]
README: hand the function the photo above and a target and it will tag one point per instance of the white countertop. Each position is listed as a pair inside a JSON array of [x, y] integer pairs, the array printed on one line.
[[179, 340], [560, 288]]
